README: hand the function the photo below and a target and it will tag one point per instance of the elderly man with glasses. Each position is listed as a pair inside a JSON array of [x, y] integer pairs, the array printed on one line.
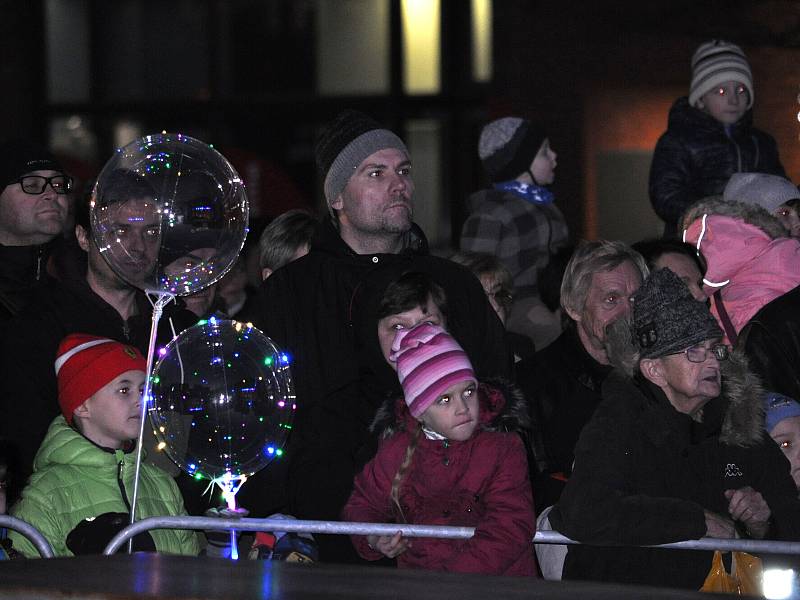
[[652, 468], [34, 203]]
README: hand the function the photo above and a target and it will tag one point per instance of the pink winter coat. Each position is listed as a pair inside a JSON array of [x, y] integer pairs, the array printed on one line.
[[481, 482]]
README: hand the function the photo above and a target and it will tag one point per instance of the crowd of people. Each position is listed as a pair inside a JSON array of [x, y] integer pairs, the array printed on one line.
[[626, 396]]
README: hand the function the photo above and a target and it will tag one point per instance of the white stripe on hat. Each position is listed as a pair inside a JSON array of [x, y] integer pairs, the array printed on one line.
[[79, 348]]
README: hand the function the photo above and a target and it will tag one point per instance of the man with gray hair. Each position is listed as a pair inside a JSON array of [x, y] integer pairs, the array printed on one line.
[[563, 383], [307, 307]]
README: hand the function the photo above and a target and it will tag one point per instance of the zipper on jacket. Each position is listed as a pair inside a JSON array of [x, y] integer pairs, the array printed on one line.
[[120, 482], [39, 254], [738, 156]]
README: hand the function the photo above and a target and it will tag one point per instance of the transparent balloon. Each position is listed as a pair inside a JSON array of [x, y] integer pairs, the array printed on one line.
[[222, 400], [169, 214]]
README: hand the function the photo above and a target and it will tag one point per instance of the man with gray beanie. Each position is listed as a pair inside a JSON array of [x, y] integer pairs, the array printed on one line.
[[652, 468], [710, 135], [307, 308], [516, 219]]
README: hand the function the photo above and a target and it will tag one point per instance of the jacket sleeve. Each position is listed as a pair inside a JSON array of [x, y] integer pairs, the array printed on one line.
[[770, 161], [596, 507], [771, 359], [481, 233], [370, 500], [507, 530], [34, 508], [670, 176], [188, 540]]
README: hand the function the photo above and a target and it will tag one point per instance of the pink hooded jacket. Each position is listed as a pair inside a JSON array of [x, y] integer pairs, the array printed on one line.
[[748, 266]]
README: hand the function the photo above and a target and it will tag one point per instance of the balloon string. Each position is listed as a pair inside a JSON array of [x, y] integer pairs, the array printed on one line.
[[163, 298], [177, 348]]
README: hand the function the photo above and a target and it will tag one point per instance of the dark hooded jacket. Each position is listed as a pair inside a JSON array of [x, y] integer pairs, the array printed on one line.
[[697, 155], [22, 275], [644, 473], [307, 308], [481, 482], [28, 348]]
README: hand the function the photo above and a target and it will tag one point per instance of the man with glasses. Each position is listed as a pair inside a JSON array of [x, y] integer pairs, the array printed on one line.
[[650, 468], [34, 203]]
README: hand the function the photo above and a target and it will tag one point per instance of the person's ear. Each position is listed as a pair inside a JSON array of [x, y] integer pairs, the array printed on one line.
[[83, 237], [573, 314], [266, 272], [337, 203], [82, 411], [652, 370]]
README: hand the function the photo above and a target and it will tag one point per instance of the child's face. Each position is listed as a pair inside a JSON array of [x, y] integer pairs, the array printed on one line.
[[455, 413], [543, 166], [787, 215], [111, 416], [389, 326], [727, 102], [787, 435]]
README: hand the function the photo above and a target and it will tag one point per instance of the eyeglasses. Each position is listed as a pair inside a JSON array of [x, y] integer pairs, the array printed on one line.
[[36, 184], [699, 353]]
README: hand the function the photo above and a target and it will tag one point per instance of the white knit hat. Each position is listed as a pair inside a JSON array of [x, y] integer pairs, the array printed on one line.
[[767, 191], [716, 62]]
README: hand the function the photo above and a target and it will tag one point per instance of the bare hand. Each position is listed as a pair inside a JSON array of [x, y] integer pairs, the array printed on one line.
[[389, 546], [749, 507], [718, 526]]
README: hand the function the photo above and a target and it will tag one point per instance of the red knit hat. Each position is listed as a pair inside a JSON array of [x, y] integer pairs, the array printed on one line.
[[429, 362], [86, 363]]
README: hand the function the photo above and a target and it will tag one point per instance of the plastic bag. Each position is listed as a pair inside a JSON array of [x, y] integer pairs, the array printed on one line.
[[744, 579]]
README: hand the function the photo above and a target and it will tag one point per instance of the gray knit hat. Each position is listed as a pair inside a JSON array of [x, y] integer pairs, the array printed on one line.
[[716, 62], [761, 189], [508, 146], [344, 143], [667, 319]]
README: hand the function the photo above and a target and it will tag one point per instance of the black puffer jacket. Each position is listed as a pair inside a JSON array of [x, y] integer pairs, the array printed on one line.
[[695, 157], [644, 473]]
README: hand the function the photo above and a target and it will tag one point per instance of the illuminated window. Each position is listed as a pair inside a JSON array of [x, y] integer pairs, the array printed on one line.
[[352, 46], [421, 46], [67, 26], [482, 40]]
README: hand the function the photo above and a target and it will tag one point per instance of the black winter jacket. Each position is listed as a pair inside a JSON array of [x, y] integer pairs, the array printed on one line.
[[771, 341], [563, 386], [644, 473], [313, 308], [695, 157], [22, 275], [28, 347]]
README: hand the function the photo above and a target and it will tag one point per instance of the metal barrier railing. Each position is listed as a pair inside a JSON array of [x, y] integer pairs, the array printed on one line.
[[29, 531], [437, 531]]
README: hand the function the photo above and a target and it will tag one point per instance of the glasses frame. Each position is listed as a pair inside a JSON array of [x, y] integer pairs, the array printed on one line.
[[720, 351], [47, 181]]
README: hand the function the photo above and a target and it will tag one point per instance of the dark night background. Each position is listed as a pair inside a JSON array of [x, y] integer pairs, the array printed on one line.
[[243, 75]]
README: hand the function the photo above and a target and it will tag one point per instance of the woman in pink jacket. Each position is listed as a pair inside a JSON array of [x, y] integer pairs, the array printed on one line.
[[450, 455]]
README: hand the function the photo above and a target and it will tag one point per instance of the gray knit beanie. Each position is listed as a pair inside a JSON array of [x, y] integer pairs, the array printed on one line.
[[716, 62], [667, 319], [344, 143], [766, 191], [508, 146]]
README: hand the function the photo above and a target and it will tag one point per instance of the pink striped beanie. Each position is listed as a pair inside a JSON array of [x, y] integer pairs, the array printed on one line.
[[429, 362]]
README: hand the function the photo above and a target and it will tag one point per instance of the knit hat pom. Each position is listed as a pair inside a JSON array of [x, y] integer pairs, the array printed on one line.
[[429, 362], [716, 62], [86, 363]]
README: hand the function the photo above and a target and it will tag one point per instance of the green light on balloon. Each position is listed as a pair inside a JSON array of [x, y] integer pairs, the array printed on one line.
[[268, 361], [156, 379], [198, 476], [279, 452], [202, 322]]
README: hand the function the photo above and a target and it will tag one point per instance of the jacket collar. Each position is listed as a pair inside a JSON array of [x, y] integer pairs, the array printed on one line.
[[329, 241], [580, 363]]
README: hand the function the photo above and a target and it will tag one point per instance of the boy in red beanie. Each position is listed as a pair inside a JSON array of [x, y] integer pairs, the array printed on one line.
[[83, 474]]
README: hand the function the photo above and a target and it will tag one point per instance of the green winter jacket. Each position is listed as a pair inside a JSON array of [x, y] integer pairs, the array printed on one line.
[[73, 480]]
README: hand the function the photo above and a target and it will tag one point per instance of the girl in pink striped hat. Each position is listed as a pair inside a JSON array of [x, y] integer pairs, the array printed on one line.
[[450, 454]]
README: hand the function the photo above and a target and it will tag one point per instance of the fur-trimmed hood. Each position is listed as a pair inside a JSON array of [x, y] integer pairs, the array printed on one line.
[[502, 407], [748, 256]]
